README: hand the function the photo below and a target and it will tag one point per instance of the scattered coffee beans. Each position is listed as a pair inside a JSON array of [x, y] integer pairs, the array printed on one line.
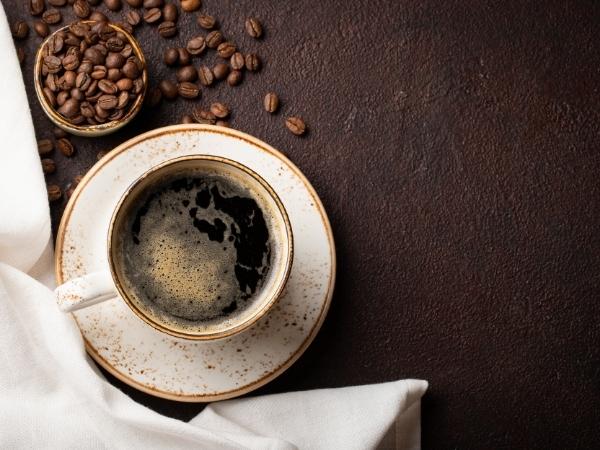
[[36, 7], [52, 16], [20, 29], [205, 75], [168, 89], [97, 16], [271, 102], [184, 56], [59, 133], [45, 146], [220, 71], [196, 45], [41, 28], [153, 15], [237, 61], [57, 2], [48, 166], [113, 5], [219, 110], [54, 192], [205, 117], [190, 5], [207, 22], [187, 89], [187, 73], [170, 13], [252, 62], [154, 97], [81, 8], [213, 39], [234, 78], [167, 29], [171, 56], [226, 49], [133, 18], [253, 28], [135, 3], [296, 125], [148, 4], [65, 146]]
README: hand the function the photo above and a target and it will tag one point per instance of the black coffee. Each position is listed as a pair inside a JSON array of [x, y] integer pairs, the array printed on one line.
[[195, 248]]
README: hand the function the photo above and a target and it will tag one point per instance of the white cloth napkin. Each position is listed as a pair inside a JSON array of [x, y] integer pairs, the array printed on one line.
[[52, 395]]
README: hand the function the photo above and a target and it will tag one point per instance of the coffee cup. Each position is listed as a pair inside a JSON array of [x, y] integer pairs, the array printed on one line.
[[199, 247]]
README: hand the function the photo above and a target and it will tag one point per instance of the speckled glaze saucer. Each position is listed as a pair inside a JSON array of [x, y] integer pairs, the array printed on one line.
[[176, 368]]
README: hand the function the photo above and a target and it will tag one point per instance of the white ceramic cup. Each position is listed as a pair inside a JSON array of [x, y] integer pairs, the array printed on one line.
[[103, 285]]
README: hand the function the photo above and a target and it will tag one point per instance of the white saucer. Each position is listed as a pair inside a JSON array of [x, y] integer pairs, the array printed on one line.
[[174, 368]]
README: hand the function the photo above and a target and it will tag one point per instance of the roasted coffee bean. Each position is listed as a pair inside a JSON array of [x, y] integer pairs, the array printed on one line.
[[168, 89], [296, 125], [41, 28], [205, 75], [21, 55], [45, 146], [70, 62], [234, 78], [154, 97], [36, 7], [219, 110], [99, 72], [222, 123], [57, 2], [122, 100], [127, 51], [54, 192], [107, 102], [226, 49], [113, 5], [213, 39], [51, 82], [87, 110], [152, 15], [138, 86], [187, 119], [196, 45], [68, 80], [65, 146], [97, 16], [170, 13], [188, 90], [48, 166], [149, 4], [108, 87], [92, 90], [220, 71], [190, 5], [52, 16], [252, 62], [55, 44], [205, 117], [124, 84], [79, 29], [77, 94], [184, 56], [20, 29], [59, 133], [114, 74], [171, 56], [116, 60], [85, 66], [130, 70], [207, 22], [50, 97], [94, 55], [135, 3], [237, 61], [81, 8], [133, 18], [101, 113], [70, 108], [253, 28], [167, 29], [187, 73], [271, 102], [94, 2], [115, 44], [52, 63]]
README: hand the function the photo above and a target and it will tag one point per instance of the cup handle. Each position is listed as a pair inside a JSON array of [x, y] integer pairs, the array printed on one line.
[[85, 291]]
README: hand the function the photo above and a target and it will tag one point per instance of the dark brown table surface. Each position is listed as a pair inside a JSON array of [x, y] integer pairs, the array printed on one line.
[[456, 147]]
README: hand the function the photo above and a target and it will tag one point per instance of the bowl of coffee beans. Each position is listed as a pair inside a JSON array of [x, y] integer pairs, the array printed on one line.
[[90, 78]]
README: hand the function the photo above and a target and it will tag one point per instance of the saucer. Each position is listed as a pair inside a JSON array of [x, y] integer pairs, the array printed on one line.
[[174, 368]]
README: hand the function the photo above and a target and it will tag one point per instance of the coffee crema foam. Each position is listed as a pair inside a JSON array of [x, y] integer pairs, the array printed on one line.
[[195, 249]]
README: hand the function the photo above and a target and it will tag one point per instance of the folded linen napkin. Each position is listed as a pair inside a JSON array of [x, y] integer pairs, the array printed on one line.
[[53, 396]]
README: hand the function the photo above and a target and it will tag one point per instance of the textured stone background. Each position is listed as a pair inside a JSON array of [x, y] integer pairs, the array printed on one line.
[[456, 147]]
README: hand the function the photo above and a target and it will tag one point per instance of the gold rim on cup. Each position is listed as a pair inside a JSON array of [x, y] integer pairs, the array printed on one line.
[[267, 303], [90, 130]]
